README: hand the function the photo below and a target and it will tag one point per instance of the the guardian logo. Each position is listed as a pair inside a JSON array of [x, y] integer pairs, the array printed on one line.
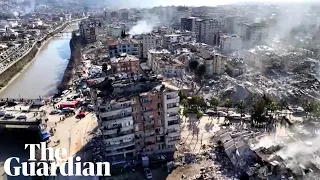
[[47, 166]]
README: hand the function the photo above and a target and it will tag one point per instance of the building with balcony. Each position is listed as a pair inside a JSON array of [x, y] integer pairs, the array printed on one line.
[[137, 117], [126, 45], [125, 64], [89, 30], [149, 41]]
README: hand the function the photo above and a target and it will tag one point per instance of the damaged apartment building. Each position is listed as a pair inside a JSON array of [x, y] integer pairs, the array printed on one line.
[[160, 61], [137, 117]]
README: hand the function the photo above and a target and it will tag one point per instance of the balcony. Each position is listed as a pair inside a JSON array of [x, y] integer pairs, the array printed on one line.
[[147, 109], [115, 112], [173, 109], [120, 145], [119, 133], [148, 126], [171, 99], [148, 118], [173, 133], [145, 99], [173, 117], [114, 129], [118, 139], [117, 116]]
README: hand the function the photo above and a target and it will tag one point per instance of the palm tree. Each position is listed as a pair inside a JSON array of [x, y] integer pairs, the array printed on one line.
[[240, 107], [228, 104]]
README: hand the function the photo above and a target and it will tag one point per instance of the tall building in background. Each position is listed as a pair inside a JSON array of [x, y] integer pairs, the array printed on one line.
[[208, 30], [89, 30], [188, 23]]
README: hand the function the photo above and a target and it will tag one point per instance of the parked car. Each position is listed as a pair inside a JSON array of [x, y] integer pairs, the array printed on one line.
[[55, 111], [68, 110], [148, 173], [2, 112], [9, 116], [81, 115], [22, 116]]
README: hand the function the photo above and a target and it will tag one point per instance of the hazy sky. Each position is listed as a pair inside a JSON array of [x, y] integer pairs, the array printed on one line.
[[148, 3]]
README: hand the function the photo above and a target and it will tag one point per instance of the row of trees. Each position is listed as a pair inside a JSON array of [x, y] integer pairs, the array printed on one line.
[[260, 110]]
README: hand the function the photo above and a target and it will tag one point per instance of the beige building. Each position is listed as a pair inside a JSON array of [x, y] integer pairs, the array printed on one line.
[[149, 41], [214, 62]]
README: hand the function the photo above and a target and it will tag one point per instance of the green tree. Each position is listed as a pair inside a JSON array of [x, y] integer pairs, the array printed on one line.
[[193, 64], [185, 103], [197, 101], [309, 107], [200, 71], [185, 112], [258, 110], [199, 115], [228, 104], [183, 95], [214, 102]]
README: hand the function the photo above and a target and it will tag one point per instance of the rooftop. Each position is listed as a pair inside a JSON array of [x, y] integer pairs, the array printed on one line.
[[124, 58]]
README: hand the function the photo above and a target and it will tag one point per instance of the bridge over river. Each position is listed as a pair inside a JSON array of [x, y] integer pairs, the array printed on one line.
[[43, 74]]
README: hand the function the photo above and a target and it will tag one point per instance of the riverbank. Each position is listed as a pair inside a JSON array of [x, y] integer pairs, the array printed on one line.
[[74, 61], [17, 67]]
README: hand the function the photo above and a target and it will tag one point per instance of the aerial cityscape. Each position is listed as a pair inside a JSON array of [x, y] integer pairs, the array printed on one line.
[[163, 90]]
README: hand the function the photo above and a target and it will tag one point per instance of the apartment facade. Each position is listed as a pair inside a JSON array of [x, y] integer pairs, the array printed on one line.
[[230, 44], [88, 31], [207, 30], [125, 64], [143, 123], [214, 62], [149, 41], [188, 23], [120, 46]]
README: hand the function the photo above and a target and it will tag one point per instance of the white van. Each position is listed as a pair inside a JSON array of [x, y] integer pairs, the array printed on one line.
[[39, 102]]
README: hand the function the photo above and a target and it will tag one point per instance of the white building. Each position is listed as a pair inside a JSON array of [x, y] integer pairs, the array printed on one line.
[[171, 101], [230, 44], [149, 41], [253, 34], [115, 32]]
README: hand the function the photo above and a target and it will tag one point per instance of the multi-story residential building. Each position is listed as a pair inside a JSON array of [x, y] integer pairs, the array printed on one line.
[[156, 53], [253, 34], [125, 64], [115, 31], [188, 24], [137, 118], [149, 41], [89, 30], [214, 62], [119, 46], [125, 16], [167, 66], [230, 44], [207, 30]]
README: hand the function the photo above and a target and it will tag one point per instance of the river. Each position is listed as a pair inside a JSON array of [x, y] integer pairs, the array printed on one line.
[[43, 74], [40, 78]]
